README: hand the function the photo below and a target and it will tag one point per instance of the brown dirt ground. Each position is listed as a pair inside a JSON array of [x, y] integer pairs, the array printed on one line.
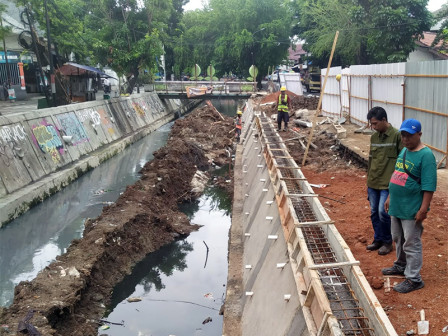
[[346, 175], [69, 296]]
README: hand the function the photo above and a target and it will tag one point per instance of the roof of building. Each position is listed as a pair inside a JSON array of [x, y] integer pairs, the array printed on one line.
[[296, 54], [439, 49]]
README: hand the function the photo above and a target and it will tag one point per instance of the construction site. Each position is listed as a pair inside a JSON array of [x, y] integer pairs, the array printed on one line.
[[297, 262]]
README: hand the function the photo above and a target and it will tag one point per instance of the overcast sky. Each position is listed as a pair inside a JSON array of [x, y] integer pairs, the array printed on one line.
[[432, 4]]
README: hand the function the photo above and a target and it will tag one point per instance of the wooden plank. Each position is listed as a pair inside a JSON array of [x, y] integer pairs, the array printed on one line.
[[333, 265], [302, 195], [283, 167], [315, 223], [293, 179]]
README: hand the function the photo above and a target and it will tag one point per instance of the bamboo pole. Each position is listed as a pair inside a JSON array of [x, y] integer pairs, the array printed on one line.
[[349, 84], [426, 111], [320, 99], [403, 113]]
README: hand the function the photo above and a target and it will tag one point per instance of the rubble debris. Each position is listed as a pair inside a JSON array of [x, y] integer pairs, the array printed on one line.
[[207, 320], [134, 299], [303, 123]]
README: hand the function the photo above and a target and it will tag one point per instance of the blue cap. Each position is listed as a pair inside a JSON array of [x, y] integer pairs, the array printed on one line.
[[411, 126]]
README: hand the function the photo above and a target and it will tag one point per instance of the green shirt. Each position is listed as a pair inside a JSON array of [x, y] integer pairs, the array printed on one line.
[[384, 149], [406, 194]]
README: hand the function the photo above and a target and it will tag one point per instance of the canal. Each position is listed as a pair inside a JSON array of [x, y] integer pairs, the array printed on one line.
[[180, 286]]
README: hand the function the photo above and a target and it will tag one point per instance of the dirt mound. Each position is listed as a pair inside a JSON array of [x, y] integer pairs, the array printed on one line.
[[273, 97], [297, 103], [305, 102], [69, 295]]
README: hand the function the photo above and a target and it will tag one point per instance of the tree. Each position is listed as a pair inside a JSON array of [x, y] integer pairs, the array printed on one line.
[[66, 24], [128, 35], [234, 34], [442, 34], [371, 31], [173, 32]]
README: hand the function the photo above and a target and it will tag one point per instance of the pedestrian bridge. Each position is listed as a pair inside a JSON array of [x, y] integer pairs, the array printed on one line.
[[204, 89]]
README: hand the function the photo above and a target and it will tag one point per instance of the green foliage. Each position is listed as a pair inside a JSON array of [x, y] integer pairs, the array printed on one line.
[[66, 24], [442, 34], [234, 34], [4, 30], [253, 71], [371, 31], [195, 72], [128, 34]]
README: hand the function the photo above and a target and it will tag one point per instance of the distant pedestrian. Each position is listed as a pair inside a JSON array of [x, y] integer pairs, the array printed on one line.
[[106, 85], [283, 106], [238, 125], [5, 90], [411, 189], [385, 145]]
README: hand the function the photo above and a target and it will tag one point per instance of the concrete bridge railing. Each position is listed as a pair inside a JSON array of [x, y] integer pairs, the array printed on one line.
[[223, 87]]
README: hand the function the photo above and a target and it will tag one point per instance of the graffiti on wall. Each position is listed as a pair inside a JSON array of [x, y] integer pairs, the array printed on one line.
[[71, 126], [106, 121], [47, 138], [156, 103], [139, 108], [10, 143], [91, 115]]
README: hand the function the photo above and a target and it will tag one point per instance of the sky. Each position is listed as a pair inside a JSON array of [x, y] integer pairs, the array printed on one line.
[[432, 4]]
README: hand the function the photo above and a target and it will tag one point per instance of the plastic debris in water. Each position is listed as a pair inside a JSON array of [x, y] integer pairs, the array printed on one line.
[[134, 299], [209, 296], [104, 327], [207, 320]]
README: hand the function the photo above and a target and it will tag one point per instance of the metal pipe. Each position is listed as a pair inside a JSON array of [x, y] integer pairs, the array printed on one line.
[[50, 57]]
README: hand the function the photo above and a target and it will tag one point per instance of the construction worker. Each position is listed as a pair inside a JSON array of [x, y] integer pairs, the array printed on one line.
[[238, 125], [411, 186], [385, 145], [283, 106]]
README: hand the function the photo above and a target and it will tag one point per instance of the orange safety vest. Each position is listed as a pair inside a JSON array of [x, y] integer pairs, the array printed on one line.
[[238, 123]]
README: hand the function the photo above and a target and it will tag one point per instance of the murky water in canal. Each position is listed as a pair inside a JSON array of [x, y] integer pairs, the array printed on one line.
[[180, 286], [32, 241]]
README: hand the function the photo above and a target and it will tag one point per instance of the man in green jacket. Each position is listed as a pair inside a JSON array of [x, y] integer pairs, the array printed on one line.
[[385, 145]]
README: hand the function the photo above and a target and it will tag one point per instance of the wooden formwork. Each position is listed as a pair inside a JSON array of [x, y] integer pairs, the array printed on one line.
[[319, 317]]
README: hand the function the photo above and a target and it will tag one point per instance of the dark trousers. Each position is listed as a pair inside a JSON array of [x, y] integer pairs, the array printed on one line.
[[282, 116]]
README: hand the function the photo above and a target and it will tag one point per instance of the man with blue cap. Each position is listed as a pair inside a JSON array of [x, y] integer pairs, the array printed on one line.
[[411, 188]]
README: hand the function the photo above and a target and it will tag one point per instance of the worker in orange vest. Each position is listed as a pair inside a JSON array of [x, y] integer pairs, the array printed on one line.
[[238, 125]]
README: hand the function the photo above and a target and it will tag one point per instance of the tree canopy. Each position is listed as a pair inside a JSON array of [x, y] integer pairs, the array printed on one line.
[[234, 34], [371, 31], [442, 34], [131, 35]]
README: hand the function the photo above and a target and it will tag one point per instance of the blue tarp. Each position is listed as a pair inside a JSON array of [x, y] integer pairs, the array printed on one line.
[[89, 68]]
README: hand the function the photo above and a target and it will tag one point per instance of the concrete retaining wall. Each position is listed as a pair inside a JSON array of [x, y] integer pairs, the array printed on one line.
[[298, 276], [270, 301], [44, 150]]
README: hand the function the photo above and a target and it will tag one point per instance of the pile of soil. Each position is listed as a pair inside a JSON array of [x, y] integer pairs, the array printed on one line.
[[69, 296], [345, 200], [297, 102]]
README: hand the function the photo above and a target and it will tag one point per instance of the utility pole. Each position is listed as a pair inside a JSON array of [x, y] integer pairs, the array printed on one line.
[[50, 57], [36, 51], [8, 73]]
